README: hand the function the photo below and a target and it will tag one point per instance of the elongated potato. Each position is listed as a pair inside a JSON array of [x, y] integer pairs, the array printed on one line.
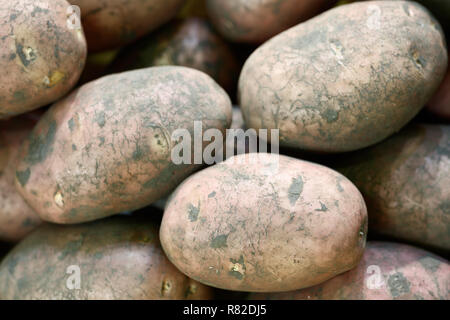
[[275, 224], [16, 218], [346, 79], [387, 271], [111, 24], [405, 182], [255, 21], [107, 147], [116, 258], [41, 58], [190, 43]]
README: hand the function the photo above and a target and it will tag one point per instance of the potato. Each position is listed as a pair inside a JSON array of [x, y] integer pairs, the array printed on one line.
[[111, 24], [243, 225], [255, 21], [41, 58], [189, 43], [388, 271], [16, 218], [405, 182], [440, 103], [107, 147], [117, 258], [345, 80]]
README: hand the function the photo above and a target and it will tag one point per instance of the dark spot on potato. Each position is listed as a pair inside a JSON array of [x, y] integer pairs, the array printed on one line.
[[295, 190], [38, 10], [330, 115], [236, 274], [26, 54], [323, 207], [430, 264], [398, 284], [100, 119], [12, 56], [212, 194], [23, 176], [41, 145], [219, 241], [193, 212], [71, 124], [74, 147], [19, 97]]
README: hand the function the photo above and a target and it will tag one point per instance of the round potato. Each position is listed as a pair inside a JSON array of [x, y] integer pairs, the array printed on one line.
[[387, 271], [440, 103], [300, 224], [41, 56], [107, 148], [110, 24], [189, 43], [405, 182], [346, 79], [255, 21], [118, 258], [17, 219]]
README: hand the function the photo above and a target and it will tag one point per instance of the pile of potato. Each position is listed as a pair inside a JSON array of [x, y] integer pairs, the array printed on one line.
[[355, 206]]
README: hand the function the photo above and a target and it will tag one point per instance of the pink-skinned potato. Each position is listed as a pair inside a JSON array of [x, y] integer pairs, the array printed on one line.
[[405, 181], [119, 258], [387, 271], [190, 42], [41, 57], [255, 21], [17, 219], [107, 148], [110, 24], [329, 86], [299, 224]]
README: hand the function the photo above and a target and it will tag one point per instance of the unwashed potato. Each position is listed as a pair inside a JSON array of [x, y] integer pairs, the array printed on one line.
[[300, 224], [405, 182], [110, 24], [345, 80], [387, 271], [107, 147], [17, 219], [440, 103], [188, 42], [116, 258], [255, 21], [41, 58]]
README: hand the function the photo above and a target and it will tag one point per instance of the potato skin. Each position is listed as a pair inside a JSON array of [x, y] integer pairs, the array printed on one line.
[[296, 228], [405, 182], [119, 258], [110, 24], [440, 103], [188, 42], [328, 84], [40, 57], [407, 273], [106, 148], [255, 21], [17, 219]]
